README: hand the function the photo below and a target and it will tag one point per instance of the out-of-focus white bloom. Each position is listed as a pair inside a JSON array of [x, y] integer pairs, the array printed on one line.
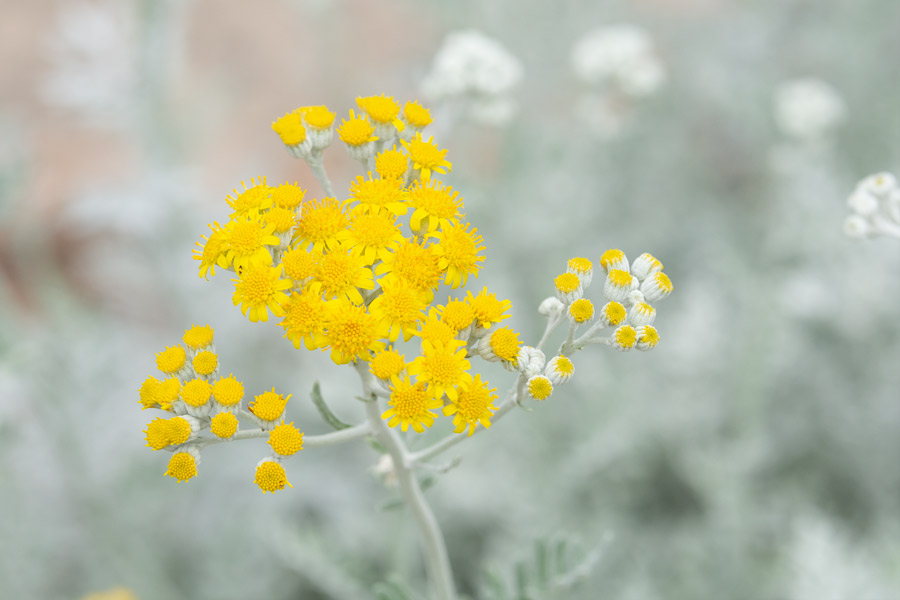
[[619, 55], [94, 61], [875, 203], [475, 69], [808, 109]]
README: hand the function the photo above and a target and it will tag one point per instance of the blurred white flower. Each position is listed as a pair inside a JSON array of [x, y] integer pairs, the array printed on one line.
[[808, 109], [875, 203], [93, 60], [477, 70], [622, 56]]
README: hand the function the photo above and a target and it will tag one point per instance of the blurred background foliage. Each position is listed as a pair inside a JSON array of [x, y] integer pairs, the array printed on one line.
[[752, 455]]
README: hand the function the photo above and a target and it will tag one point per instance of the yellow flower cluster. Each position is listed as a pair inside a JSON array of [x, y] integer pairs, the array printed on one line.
[[198, 400], [353, 275]]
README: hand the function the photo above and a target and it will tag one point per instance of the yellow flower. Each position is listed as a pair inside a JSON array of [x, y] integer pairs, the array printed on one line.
[[442, 367], [281, 219], [299, 264], [387, 363], [228, 392], [148, 393], [352, 332], [434, 330], [539, 387], [340, 274], [458, 314], [247, 239], [223, 425], [373, 235], [182, 466], [322, 223], [399, 308], [415, 264], [270, 476], [383, 110], [288, 195], [582, 310], [171, 360], [457, 249], [356, 131], [317, 117], [391, 164], [168, 392], [258, 288], [435, 204], [488, 310], [196, 392], [416, 115], [205, 363], [285, 439], [426, 157], [304, 320], [376, 195], [410, 404], [212, 252], [268, 407], [502, 343], [198, 337], [255, 198], [290, 128], [474, 405]]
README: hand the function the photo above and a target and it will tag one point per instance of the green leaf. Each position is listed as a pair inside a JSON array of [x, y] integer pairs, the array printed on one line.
[[326, 413]]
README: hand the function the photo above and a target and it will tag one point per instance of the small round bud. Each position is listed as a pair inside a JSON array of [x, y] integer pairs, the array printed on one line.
[[268, 408], [583, 268], [619, 284], [568, 287], [539, 387], [580, 311], [879, 184], [656, 287], [863, 203], [856, 227], [530, 361], [645, 265], [559, 370], [613, 259], [641, 313], [550, 307], [624, 338], [612, 314], [270, 475], [647, 337]]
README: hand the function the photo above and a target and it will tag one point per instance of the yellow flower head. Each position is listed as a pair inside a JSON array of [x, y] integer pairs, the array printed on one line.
[[317, 117], [322, 223], [426, 156], [399, 308], [382, 110], [624, 337], [196, 392], [182, 466], [386, 364], [268, 406], [612, 313], [568, 287], [504, 344], [288, 195], [212, 252], [223, 425], [157, 434], [270, 476], [539, 387], [168, 392], [171, 360], [435, 330], [356, 131], [473, 405], [281, 219], [415, 264], [410, 404], [304, 320], [647, 337], [228, 391], [436, 205], [613, 259], [148, 393], [256, 198], [416, 115], [373, 235], [285, 439], [260, 287], [299, 264], [376, 195], [488, 310], [457, 249], [458, 314], [198, 337], [205, 362], [352, 332], [247, 240], [340, 274], [290, 128], [581, 311], [391, 164], [583, 268], [442, 367]]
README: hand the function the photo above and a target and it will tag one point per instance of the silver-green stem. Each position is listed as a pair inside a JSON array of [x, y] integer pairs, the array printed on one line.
[[439, 571], [317, 165], [309, 441]]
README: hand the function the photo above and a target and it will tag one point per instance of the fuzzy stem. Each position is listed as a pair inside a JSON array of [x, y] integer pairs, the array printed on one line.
[[439, 570], [317, 165]]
